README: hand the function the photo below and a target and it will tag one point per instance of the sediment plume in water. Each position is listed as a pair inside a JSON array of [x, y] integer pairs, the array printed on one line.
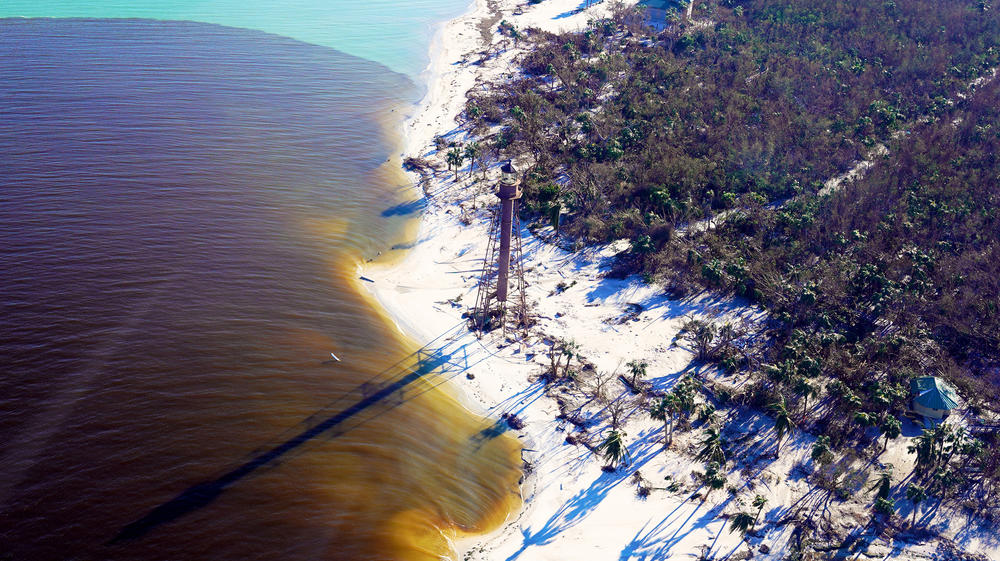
[[184, 207]]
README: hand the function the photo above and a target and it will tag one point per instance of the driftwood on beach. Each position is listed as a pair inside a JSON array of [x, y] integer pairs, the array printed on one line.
[[412, 163]]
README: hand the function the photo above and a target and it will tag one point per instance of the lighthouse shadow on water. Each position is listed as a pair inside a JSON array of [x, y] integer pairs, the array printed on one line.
[[432, 365], [184, 206]]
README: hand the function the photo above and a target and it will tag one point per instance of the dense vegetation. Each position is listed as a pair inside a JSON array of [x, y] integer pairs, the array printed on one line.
[[636, 135], [893, 276], [744, 114]]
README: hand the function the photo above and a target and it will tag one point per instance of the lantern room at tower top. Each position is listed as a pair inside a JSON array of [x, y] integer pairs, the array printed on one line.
[[510, 187]]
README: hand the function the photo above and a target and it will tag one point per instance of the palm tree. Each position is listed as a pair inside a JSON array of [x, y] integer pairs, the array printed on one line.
[[707, 414], [806, 390], [782, 372], [472, 152], [885, 506], [956, 441], [570, 349], [782, 422], [883, 484], [562, 348], [701, 334], [742, 523], [638, 370], [864, 419], [685, 393], [712, 446], [455, 158], [664, 410], [758, 501], [821, 453], [714, 477], [916, 495], [923, 447], [613, 448], [928, 446], [891, 428], [942, 435]]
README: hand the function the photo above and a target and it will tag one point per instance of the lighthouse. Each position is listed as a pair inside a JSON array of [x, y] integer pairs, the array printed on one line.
[[503, 257], [509, 192]]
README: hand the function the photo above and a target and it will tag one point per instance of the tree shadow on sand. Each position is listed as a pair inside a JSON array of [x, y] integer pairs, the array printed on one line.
[[581, 505], [654, 543]]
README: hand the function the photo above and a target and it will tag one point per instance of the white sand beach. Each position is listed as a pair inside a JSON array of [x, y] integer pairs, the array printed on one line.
[[572, 508]]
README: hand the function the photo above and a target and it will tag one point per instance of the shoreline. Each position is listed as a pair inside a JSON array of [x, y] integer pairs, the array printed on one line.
[[428, 78], [431, 107], [419, 306], [571, 507]]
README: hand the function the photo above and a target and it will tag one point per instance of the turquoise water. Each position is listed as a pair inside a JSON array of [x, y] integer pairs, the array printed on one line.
[[396, 34]]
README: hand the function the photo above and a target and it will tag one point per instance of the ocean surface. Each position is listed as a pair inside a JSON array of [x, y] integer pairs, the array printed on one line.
[[393, 33], [183, 207]]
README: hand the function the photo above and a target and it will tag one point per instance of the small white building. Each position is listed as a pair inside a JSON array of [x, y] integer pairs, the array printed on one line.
[[933, 397]]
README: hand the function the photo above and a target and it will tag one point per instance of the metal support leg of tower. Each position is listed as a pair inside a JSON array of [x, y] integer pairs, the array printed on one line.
[[487, 304], [487, 278]]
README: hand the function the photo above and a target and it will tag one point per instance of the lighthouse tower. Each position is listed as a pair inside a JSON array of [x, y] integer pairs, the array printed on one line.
[[502, 261]]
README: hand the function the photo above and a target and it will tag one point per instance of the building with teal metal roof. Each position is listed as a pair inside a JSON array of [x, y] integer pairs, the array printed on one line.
[[933, 397]]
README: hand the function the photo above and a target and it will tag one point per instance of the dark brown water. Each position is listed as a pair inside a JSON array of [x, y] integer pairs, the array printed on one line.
[[182, 210]]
